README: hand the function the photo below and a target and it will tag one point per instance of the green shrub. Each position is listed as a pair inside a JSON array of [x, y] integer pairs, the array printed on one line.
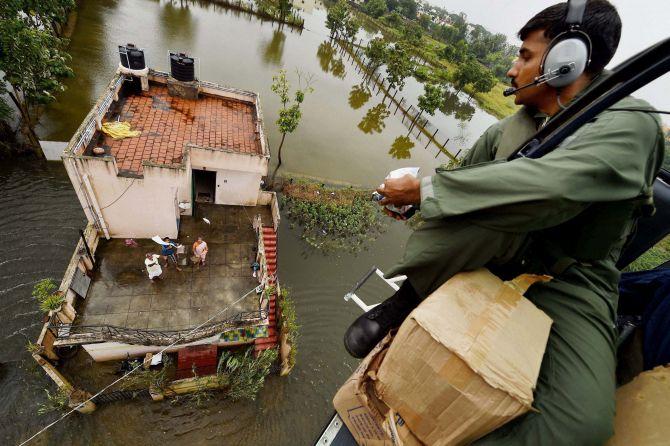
[[144, 379], [34, 348], [55, 401], [43, 289], [333, 218], [52, 302], [422, 73], [245, 373], [289, 324]]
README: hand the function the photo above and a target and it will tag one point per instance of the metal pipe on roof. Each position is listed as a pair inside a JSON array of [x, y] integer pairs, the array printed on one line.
[[95, 205]]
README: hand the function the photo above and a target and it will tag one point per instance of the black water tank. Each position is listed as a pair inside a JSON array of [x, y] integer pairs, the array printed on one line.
[[132, 57], [182, 67]]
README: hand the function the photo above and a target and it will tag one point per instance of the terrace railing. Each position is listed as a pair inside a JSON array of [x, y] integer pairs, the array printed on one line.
[[71, 334], [99, 112]]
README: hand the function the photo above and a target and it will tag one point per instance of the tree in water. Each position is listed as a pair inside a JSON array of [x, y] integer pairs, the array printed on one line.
[[398, 66], [472, 72], [337, 18], [285, 7], [33, 58], [401, 147], [351, 27], [376, 52], [429, 101], [289, 113], [373, 121], [359, 95]]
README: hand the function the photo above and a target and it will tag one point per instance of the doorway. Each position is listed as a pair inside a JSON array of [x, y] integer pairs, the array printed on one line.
[[204, 186]]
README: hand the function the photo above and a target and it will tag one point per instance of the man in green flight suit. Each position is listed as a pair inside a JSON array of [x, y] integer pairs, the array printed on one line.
[[567, 214]]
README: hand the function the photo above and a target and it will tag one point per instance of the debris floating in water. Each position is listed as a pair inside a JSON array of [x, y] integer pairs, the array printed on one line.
[[206, 221]]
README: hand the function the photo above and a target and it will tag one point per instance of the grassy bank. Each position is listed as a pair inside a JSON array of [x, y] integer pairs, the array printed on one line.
[[492, 102], [657, 255]]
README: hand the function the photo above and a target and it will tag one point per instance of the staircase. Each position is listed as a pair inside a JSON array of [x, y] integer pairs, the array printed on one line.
[[270, 246]]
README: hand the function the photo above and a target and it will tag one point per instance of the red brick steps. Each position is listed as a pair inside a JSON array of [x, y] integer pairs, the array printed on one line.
[[270, 245]]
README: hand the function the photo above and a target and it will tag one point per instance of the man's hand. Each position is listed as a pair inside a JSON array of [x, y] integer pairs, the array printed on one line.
[[401, 191]]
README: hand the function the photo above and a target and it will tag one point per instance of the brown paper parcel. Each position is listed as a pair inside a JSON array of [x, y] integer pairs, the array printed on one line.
[[467, 359], [369, 420], [643, 410]]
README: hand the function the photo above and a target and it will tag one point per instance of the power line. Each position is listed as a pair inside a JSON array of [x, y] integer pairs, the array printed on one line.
[[78, 406], [119, 197]]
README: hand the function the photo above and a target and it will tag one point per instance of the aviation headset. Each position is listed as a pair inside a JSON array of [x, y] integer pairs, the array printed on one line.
[[567, 55]]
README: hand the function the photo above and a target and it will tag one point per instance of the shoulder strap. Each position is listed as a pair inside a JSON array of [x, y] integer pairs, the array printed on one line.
[[518, 129]]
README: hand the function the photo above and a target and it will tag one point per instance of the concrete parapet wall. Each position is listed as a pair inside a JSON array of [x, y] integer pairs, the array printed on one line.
[[67, 313], [110, 351], [266, 198]]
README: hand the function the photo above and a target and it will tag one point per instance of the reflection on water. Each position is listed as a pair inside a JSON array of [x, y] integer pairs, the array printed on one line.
[[452, 105], [373, 121], [274, 49], [359, 95], [181, 23], [401, 147], [463, 134], [328, 60]]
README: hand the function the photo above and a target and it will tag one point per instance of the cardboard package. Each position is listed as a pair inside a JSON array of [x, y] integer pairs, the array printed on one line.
[[466, 360], [643, 410], [462, 364], [370, 421]]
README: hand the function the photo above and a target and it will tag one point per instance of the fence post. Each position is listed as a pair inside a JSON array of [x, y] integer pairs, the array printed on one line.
[[445, 144], [399, 102], [432, 138]]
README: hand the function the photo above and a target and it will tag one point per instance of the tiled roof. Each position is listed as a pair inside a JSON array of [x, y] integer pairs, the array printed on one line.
[[168, 123]]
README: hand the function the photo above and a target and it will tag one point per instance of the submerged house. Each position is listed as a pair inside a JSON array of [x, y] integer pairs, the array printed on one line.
[[198, 142], [168, 155]]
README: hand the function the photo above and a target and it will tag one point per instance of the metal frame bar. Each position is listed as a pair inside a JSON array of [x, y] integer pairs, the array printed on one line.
[[351, 295]]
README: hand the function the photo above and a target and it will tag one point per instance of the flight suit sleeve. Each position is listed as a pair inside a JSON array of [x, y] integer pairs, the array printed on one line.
[[610, 159], [483, 149]]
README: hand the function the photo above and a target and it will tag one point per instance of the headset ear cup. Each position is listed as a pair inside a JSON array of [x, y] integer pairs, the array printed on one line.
[[571, 52]]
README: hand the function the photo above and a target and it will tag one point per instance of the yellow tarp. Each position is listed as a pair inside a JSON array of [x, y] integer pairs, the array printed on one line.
[[119, 130]]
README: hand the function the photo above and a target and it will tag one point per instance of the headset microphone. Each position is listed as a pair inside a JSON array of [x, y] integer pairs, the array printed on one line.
[[547, 77], [511, 90]]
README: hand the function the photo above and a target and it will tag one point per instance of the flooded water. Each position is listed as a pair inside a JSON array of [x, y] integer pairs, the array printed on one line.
[[346, 135]]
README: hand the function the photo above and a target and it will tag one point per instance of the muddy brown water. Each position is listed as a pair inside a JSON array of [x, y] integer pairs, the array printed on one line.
[[345, 136]]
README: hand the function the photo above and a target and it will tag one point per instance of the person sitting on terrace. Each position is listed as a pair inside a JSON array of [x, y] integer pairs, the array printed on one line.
[[153, 266], [168, 252], [200, 251]]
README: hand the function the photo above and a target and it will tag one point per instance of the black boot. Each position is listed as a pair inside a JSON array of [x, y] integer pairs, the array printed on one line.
[[371, 327]]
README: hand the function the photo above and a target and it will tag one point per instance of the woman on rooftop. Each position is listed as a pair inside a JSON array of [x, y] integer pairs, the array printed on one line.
[[200, 251]]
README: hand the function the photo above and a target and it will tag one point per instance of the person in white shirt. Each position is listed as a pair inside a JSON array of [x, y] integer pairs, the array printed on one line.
[[153, 266]]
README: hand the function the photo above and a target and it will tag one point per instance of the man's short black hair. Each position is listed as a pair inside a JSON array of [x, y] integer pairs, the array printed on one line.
[[601, 23]]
